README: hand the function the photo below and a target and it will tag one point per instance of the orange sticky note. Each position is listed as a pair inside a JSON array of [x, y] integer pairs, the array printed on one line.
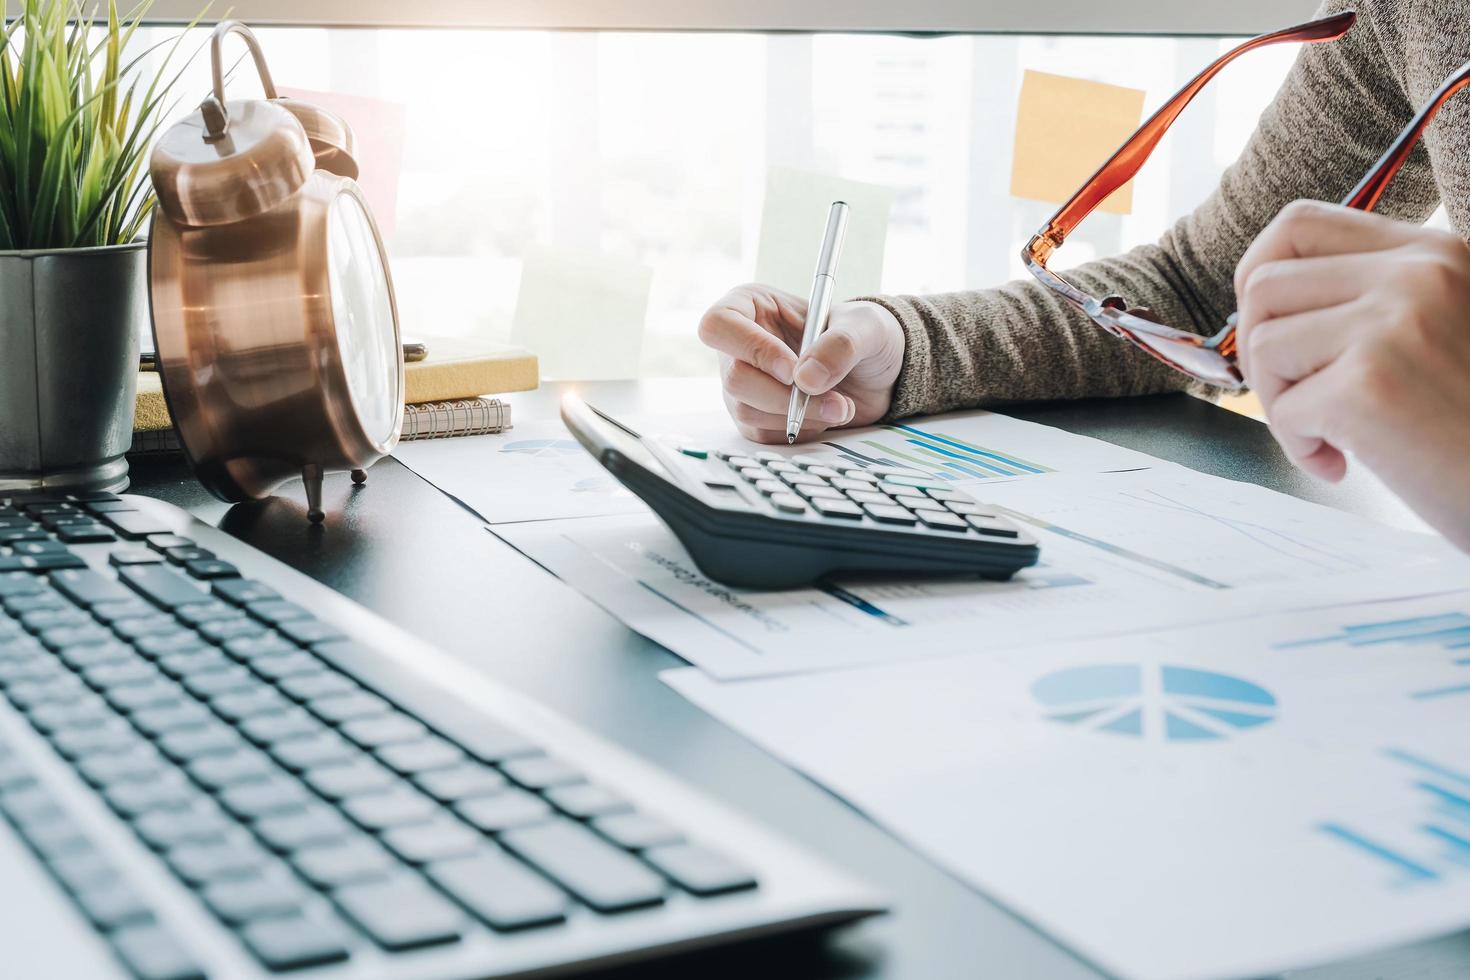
[[379, 128], [1065, 129]]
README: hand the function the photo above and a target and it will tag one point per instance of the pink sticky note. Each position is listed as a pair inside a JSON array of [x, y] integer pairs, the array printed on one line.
[[379, 127]]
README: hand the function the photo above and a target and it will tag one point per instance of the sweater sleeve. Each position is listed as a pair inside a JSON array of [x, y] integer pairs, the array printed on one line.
[[1340, 108]]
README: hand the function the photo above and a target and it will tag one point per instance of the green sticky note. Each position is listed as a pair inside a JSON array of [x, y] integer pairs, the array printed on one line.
[[581, 313], [795, 215]]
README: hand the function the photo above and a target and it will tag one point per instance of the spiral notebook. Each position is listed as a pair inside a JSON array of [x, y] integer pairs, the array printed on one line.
[[431, 420]]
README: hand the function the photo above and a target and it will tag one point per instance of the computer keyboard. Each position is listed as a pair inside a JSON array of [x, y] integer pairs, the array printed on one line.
[[304, 788]]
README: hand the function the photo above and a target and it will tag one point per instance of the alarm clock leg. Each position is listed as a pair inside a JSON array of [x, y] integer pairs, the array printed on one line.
[[359, 476], [311, 475]]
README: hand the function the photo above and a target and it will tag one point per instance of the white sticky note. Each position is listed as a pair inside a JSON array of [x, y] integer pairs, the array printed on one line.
[[794, 217], [582, 313]]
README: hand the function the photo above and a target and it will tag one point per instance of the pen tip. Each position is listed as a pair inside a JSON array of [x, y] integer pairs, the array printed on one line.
[[790, 439]]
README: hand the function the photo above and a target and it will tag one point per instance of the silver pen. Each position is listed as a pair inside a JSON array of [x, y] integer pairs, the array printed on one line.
[[818, 308]]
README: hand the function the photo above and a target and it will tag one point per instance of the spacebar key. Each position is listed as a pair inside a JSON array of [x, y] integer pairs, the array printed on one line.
[[606, 878], [161, 586]]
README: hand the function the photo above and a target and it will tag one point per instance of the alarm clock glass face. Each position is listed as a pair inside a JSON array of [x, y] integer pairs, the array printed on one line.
[[363, 310]]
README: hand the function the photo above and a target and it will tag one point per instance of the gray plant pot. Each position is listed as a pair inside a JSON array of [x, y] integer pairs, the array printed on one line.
[[69, 326]]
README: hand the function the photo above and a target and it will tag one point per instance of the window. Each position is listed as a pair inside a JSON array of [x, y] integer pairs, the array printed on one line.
[[651, 151]]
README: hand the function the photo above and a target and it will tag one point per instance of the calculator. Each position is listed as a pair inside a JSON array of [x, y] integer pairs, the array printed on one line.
[[767, 520]]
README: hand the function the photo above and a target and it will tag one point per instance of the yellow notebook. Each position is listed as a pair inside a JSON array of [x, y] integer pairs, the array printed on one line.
[[457, 367]]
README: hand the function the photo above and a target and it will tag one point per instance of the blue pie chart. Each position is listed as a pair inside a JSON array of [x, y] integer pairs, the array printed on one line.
[[1155, 701]]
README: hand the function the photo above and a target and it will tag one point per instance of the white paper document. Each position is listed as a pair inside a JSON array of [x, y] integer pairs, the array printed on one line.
[[539, 472], [1120, 552], [1209, 802]]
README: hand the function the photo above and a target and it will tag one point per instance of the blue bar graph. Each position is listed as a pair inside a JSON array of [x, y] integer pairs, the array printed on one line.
[[1387, 855], [1449, 631]]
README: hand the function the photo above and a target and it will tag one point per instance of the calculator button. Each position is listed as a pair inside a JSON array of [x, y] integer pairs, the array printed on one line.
[[939, 493], [941, 520], [789, 502], [921, 503], [869, 497], [883, 472], [719, 483], [740, 462], [969, 510], [770, 457], [769, 487], [752, 473], [890, 514], [840, 508], [783, 467], [822, 493], [807, 462], [803, 480], [694, 453], [858, 473], [843, 483], [825, 472], [727, 454], [994, 528], [902, 490]]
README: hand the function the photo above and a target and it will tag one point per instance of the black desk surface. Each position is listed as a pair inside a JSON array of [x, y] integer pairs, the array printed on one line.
[[415, 556]]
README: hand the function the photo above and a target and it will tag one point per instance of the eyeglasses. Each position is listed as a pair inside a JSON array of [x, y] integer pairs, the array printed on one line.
[[1209, 359]]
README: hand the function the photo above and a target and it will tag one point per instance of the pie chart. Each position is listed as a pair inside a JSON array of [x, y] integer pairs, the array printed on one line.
[[1154, 701], [543, 447]]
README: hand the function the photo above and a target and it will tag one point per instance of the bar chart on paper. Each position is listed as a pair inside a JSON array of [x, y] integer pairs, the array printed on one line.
[[943, 456], [1426, 836], [1446, 631]]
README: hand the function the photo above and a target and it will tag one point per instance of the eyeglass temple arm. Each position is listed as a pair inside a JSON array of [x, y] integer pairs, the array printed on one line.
[[1123, 165], [1369, 191]]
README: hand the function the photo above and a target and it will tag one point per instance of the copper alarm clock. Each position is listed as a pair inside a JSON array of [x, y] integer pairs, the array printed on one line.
[[273, 310]]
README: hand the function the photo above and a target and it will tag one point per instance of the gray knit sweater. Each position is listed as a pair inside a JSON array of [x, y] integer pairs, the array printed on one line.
[[1341, 107]]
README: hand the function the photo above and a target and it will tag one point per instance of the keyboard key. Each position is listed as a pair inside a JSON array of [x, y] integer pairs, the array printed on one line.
[[273, 611], [161, 586], [350, 779], [586, 800], [215, 772], [287, 832], [133, 799], [943, 520], [206, 612], [341, 862], [699, 870], [199, 864], [383, 730], [133, 556], [917, 504], [133, 524], [104, 770], [163, 542], [140, 697], [155, 722], [87, 588], [393, 808], [890, 514], [211, 568], [309, 631], [247, 648], [255, 896], [542, 772], [401, 913], [155, 647], [940, 493], [601, 875], [460, 782], [636, 831], [113, 905], [185, 554], [264, 798], [238, 707], [157, 624], [318, 750], [154, 954], [295, 942], [84, 870], [192, 743], [347, 707], [165, 829], [60, 637], [218, 683], [268, 729], [114, 610], [241, 591], [321, 683], [435, 840], [222, 630], [504, 811], [500, 891], [838, 508], [424, 755], [770, 487]]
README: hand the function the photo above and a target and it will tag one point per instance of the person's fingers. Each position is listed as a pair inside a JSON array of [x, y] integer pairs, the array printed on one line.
[[754, 387], [1281, 352], [1306, 229], [1281, 288], [735, 334], [1305, 417], [822, 412], [836, 353]]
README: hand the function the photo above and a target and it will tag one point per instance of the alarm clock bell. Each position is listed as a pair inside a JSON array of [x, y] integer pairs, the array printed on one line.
[[273, 310]]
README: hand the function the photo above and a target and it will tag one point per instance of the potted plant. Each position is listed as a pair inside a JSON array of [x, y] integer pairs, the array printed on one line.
[[76, 124]]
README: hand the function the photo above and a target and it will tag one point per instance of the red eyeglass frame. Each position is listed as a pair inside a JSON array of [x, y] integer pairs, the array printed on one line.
[[1210, 359]]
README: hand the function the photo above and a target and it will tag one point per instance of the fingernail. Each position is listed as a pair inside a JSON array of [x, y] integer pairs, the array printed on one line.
[[834, 409], [784, 370], [812, 376]]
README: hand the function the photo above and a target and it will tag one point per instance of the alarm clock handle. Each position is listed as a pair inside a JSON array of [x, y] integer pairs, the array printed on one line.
[[216, 115]]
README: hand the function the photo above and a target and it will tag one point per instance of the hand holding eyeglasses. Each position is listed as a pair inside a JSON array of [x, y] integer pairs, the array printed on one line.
[[1354, 330]]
